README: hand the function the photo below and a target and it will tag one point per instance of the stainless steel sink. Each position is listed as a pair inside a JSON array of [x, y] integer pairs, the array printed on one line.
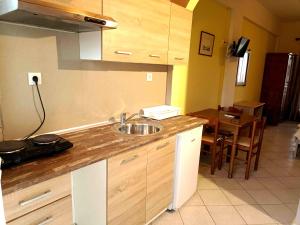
[[139, 128]]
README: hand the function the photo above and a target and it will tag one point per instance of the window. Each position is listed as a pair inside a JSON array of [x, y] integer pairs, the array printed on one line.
[[242, 70]]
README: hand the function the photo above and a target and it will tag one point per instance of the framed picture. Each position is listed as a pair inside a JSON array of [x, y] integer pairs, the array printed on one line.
[[206, 46]]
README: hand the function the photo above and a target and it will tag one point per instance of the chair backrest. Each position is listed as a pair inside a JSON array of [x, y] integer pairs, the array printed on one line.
[[213, 127], [258, 130]]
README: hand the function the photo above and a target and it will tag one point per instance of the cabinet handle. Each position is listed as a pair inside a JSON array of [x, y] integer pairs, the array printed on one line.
[[154, 56], [129, 160], [123, 53], [35, 198], [178, 58], [46, 221], [162, 146], [194, 139]]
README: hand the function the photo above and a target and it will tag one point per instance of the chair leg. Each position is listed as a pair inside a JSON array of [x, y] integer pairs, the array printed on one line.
[[257, 157], [213, 159], [248, 166], [221, 155]]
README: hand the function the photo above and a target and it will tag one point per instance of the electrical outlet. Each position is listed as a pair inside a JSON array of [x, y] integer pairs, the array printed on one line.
[[31, 75], [149, 77]]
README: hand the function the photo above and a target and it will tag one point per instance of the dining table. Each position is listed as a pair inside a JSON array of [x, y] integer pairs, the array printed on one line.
[[234, 121]]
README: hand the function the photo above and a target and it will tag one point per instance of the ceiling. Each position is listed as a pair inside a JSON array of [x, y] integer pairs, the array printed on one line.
[[286, 10]]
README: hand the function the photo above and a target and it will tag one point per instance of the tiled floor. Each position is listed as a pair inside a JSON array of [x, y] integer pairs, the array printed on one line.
[[270, 196]]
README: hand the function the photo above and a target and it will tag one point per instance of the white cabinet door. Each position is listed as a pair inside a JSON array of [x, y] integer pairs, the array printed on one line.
[[188, 146], [89, 194]]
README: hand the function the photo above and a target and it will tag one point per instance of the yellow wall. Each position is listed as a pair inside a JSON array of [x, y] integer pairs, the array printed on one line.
[[261, 42], [287, 42], [205, 74]]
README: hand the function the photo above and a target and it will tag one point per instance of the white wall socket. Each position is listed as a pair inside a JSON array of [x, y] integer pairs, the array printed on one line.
[[149, 77], [31, 75]]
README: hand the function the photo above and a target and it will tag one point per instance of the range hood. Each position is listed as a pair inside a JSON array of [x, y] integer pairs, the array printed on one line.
[[51, 15]]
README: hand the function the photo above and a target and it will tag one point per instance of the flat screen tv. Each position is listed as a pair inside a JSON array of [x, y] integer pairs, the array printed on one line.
[[239, 49]]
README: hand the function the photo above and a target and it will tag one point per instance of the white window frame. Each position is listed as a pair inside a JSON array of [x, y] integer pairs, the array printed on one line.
[[242, 70]]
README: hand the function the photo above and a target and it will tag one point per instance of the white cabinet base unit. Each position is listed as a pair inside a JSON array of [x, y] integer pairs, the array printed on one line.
[[89, 194], [187, 159]]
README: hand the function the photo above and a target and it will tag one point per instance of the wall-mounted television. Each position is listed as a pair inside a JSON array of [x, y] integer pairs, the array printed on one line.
[[239, 49]]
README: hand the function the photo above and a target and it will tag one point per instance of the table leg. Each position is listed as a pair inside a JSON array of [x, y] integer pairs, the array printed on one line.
[[233, 150]]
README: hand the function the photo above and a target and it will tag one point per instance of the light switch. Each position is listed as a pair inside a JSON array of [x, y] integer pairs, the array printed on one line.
[[149, 77]]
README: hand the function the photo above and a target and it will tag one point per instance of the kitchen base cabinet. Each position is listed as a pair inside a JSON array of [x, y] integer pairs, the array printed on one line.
[[57, 213], [126, 191], [160, 172], [89, 194]]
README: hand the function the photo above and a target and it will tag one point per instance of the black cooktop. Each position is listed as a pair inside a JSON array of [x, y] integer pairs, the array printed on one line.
[[15, 152]]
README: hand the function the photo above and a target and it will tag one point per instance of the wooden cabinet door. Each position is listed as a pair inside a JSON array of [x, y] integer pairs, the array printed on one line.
[[155, 30], [126, 194], [123, 44], [142, 33], [160, 174], [91, 6], [180, 35]]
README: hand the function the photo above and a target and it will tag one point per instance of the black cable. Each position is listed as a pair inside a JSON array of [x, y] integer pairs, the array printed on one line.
[[35, 79]]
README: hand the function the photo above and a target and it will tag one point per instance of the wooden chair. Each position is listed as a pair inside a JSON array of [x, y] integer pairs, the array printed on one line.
[[251, 144], [212, 138], [230, 109]]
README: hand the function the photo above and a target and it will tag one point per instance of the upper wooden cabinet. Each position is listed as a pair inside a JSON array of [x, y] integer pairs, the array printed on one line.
[[92, 6], [180, 35], [142, 34]]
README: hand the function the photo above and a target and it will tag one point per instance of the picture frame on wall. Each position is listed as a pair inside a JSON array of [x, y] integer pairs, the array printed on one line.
[[206, 45]]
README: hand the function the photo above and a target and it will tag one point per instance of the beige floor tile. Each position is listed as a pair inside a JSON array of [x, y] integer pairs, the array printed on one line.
[[293, 207], [227, 184], [271, 183], [196, 215], [207, 184], [168, 219], [285, 195], [194, 200], [213, 197], [261, 172], [290, 182], [264, 197], [251, 184], [225, 215], [254, 214], [280, 213], [239, 197]]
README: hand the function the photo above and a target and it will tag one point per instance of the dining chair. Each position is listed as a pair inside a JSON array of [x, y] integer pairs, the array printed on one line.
[[250, 144], [230, 109], [215, 142]]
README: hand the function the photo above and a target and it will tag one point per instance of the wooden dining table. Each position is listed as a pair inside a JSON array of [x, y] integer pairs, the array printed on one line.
[[234, 121]]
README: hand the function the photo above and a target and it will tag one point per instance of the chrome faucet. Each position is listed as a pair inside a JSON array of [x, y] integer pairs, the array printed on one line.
[[123, 118]]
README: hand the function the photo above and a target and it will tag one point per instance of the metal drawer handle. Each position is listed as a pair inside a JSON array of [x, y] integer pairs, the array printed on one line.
[[178, 58], [46, 221], [154, 56], [194, 139], [129, 160], [123, 53], [163, 145], [36, 198]]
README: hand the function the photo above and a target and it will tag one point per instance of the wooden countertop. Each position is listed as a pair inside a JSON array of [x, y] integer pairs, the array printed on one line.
[[90, 146]]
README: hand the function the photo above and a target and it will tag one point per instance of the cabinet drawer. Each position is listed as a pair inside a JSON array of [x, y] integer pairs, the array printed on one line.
[[57, 213], [126, 193], [26, 200]]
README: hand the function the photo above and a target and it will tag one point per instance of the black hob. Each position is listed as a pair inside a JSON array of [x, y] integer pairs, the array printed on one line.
[[15, 152]]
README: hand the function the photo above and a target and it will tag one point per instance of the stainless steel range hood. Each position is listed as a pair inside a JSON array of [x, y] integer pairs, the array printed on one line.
[[50, 15]]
